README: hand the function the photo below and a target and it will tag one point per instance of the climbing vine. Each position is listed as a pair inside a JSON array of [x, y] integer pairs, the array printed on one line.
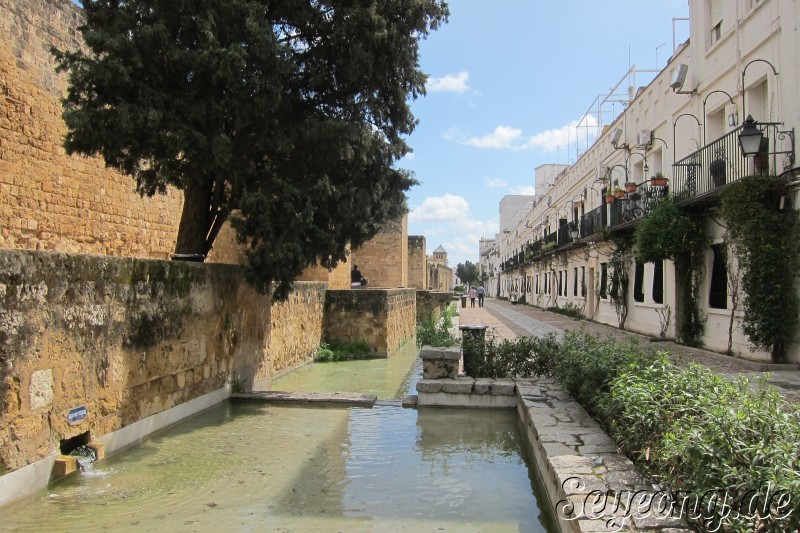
[[766, 241], [669, 233], [620, 261]]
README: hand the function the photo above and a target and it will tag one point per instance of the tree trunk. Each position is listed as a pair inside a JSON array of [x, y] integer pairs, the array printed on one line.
[[196, 218]]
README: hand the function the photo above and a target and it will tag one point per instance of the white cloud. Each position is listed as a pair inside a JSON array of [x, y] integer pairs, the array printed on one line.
[[496, 183], [440, 208], [510, 138], [526, 190], [551, 140], [451, 83], [501, 137]]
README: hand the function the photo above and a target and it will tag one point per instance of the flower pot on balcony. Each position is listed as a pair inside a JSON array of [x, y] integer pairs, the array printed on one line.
[[658, 181], [610, 198], [630, 187], [619, 193], [717, 171]]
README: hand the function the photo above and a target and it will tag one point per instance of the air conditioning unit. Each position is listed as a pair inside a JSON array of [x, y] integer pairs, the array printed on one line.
[[644, 138], [678, 77], [601, 172], [615, 137]]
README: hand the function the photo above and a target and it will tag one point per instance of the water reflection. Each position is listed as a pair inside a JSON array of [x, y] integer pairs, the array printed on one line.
[[250, 467], [388, 378]]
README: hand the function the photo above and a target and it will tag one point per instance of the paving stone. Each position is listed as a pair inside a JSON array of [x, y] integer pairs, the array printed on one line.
[[626, 480], [429, 385], [542, 421], [556, 448], [574, 464], [502, 387], [457, 386], [583, 484], [482, 385], [592, 449], [597, 438], [616, 461]]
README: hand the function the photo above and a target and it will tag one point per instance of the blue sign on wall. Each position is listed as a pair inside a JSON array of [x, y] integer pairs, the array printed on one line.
[[77, 414]]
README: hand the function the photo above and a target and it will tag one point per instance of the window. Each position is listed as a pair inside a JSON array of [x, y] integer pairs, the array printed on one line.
[[715, 20], [583, 281], [604, 280], [528, 284], [560, 283], [537, 284], [575, 282], [658, 282], [638, 282], [546, 283], [718, 289]]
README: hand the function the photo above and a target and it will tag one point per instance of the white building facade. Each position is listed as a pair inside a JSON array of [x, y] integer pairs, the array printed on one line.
[[741, 60]]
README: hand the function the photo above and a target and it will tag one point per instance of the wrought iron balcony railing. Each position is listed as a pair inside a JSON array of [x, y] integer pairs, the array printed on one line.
[[721, 162]]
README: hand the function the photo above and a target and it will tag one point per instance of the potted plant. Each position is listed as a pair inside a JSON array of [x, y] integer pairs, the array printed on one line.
[[619, 193], [630, 187], [717, 171], [658, 180], [610, 196]]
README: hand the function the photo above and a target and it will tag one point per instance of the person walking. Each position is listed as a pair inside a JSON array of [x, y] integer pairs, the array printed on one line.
[[472, 295], [481, 294]]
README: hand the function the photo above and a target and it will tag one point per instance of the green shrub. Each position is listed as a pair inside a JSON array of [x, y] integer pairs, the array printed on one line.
[[570, 310], [521, 357], [342, 351], [700, 433], [433, 333], [586, 365]]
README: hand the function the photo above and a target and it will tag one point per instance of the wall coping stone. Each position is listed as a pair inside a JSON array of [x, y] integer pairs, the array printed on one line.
[[440, 354]]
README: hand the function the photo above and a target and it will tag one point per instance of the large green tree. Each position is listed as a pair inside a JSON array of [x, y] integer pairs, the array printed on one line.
[[467, 272], [285, 116]]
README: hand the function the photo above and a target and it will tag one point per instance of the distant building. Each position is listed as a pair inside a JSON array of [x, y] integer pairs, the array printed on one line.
[[440, 276]]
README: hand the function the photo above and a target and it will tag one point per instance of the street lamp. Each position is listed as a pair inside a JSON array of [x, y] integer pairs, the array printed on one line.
[[573, 231], [750, 137]]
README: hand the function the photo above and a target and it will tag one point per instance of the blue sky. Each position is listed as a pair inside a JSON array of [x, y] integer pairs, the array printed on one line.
[[507, 78]]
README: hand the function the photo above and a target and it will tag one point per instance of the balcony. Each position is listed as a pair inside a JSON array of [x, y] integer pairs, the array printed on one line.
[[700, 177]]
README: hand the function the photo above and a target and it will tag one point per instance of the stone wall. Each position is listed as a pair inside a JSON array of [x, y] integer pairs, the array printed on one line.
[[417, 274], [383, 318], [49, 200], [384, 259], [337, 279], [296, 327], [130, 338], [432, 303]]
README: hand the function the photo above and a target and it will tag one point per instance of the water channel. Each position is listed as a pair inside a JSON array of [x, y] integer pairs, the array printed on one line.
[[258, 467]]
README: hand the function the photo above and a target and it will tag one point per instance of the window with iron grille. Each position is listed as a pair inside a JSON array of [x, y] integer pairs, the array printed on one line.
[[658, 282], [638, 282], [604, 280], [718, 289]]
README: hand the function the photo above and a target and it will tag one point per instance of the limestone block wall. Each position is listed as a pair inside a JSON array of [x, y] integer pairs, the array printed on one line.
[[383, 318], [296, 327], [337, 279], [48, 200], [417, 274], [432, 303], [129, 338], [384, 259]]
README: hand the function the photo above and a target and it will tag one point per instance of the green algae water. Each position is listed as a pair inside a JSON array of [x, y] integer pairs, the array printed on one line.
[[258, 467], [388, 378]]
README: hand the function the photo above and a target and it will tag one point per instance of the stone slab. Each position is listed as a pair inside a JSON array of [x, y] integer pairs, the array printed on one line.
[[439, 354], [429, 385], [503, 388], [335, 398], [457, 386]]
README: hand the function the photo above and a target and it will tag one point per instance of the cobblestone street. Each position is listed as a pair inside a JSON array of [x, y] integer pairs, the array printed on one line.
[[505, 321]]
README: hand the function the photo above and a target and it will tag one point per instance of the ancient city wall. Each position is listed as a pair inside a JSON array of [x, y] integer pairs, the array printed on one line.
[[130, 338], [384, 259], [432, 303], [49, 200], [417, 261], [384, 319]]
